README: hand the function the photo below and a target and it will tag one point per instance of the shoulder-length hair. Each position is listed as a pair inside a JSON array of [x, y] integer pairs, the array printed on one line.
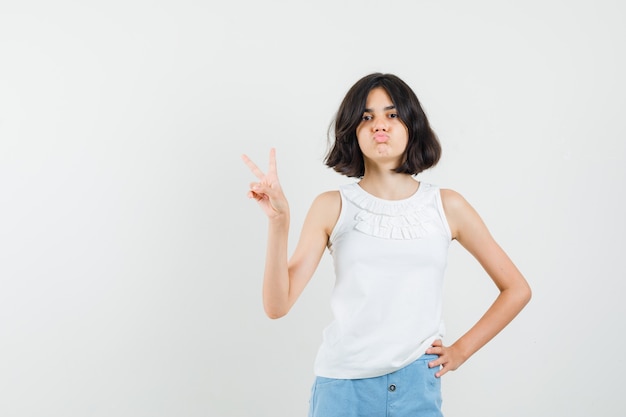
[[423, 149]]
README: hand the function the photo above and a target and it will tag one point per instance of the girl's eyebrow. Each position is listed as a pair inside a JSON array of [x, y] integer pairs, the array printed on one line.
[[384, 109]]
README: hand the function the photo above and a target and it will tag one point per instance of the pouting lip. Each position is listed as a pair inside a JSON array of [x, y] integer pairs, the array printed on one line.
[[381, 137]]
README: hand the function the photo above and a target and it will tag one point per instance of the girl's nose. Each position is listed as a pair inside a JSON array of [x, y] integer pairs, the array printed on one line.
[[380, 124]]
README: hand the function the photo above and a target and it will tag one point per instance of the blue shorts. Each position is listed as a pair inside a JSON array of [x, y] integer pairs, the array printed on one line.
[[408, 392]]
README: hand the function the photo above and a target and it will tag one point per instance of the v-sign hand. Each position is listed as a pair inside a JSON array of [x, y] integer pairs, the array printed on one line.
[[267, 191]]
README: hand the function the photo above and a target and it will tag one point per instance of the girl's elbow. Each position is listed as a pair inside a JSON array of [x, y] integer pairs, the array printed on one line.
[[519, 294], [528, 294], [275, 313], [524, 293], [275, 316]]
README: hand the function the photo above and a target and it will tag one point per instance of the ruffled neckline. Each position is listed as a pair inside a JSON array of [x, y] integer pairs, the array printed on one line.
[[387, 219]]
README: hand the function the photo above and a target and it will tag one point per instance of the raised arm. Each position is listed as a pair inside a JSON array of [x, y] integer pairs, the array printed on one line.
[[469, 230], [284, 279]]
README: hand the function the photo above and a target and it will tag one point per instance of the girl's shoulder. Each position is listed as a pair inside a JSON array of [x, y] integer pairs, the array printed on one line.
[[325, 209], [328, 202], [451, 197], [453, 201], [460, 213], [330, 197]]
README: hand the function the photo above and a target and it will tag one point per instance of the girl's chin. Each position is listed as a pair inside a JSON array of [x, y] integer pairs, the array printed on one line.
[[382, 149]]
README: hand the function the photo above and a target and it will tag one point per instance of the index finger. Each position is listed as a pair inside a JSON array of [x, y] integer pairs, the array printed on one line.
[[255, 169]]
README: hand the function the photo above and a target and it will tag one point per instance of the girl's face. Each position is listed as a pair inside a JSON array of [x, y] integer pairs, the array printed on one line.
[[382, 136]]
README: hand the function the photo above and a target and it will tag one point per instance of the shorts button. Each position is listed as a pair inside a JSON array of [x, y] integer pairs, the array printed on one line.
[[392, 387]]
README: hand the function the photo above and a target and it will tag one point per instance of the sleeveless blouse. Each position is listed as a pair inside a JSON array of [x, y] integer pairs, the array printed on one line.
[[389, 258]]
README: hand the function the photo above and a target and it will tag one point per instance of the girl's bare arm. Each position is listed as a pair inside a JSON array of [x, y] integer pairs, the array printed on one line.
[[285, 279], [469, 230]]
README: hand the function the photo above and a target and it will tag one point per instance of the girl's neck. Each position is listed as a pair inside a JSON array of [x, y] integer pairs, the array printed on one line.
[[389, 186]]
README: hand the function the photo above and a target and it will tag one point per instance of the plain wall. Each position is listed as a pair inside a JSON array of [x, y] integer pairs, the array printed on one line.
[[131, 259]]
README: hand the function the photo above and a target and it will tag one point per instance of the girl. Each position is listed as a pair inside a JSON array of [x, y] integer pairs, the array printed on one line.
[[389, 236]]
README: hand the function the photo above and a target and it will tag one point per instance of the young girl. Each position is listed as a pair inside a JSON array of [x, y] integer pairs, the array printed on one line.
[[389, 236]]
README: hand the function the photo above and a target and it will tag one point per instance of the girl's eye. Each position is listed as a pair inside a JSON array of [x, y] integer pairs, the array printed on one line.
[[393, 115], [366, 118]]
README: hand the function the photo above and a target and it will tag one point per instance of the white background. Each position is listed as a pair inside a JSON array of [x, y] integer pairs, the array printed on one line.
[[131, 259]]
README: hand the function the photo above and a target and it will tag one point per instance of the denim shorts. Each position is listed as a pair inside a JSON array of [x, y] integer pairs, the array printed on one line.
[[408, 392]]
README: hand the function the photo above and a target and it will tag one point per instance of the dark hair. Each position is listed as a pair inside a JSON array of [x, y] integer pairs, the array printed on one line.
[[423, 149]]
